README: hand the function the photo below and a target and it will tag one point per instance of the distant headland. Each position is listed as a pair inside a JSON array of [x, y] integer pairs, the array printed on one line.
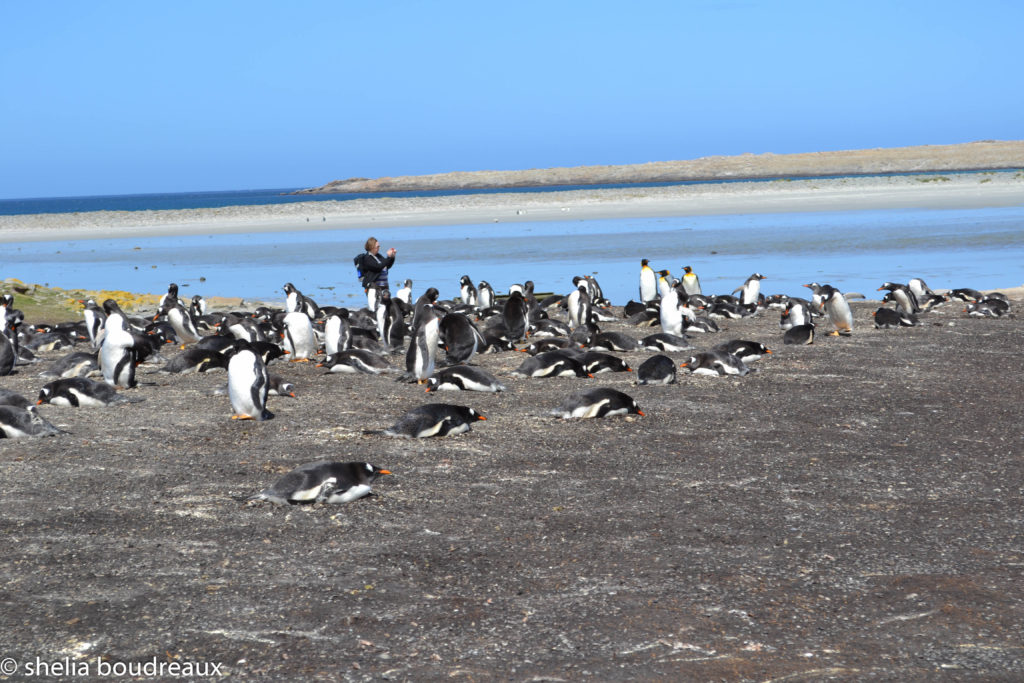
[[971, 156]]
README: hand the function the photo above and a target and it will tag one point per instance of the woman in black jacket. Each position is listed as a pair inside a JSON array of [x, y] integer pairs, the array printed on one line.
[[374, 266]]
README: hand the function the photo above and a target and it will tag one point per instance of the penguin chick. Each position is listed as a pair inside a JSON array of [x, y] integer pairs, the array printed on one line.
[[323, 482]]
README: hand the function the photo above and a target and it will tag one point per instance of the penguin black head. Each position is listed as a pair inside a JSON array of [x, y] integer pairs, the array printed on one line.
[[643, 262]]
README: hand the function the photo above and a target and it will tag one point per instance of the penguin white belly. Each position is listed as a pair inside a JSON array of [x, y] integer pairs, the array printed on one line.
[[85, 399], [348, 495], [313, 492], [591, 410]]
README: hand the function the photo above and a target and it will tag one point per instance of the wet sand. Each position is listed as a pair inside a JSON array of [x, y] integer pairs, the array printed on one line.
[[967, 190]]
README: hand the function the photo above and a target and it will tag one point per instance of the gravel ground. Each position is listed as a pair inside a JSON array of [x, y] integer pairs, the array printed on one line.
[[850, 511]]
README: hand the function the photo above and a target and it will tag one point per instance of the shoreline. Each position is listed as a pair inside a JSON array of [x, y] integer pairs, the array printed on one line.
[[942, 191]]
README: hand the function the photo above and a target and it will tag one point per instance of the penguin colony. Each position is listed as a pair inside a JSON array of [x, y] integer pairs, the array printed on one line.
[[97, 361]]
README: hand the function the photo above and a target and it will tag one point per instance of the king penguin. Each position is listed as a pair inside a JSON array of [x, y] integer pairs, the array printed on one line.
[[248, 385], [691, 283], [648, 282]]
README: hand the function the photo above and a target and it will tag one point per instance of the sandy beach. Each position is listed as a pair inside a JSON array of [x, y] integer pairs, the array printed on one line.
[[949, 190]]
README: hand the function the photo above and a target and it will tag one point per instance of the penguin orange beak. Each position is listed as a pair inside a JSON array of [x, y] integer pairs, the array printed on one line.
[[383, 471], [767, 350], [640, 413], [683, 365], [480, 417], [39, 402]]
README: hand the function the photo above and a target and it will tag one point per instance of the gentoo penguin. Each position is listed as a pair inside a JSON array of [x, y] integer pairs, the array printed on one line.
[[299, 341], [434, 419], [663, 341], [715, 363], [613, 341], [648, 282], [886, 319], [323, 482], [356, 360], [461, 338], [919, 289], [485, 295], [118, 355], [171, 295], [181, 321], [297, 301], [965, 294], [799, 334], [902, 295], [467, 292], [691, 283], [671, 313], [584, 333], [839, 312], [94, 317], [550, 364], [248, 385], [395, 329], [596, 362], [8, 349], [80, 391], [659, 369], [426, 299], [19, 422], [797, 312], [195, 360], [464, 378], [422, 354], [750, 290], [987, 309], [13, 398], [599, 402], [279, 386], [546, 344], [746, 351], [197, 307], [337, 333], [549, 328], [515, 314], [404, 294]]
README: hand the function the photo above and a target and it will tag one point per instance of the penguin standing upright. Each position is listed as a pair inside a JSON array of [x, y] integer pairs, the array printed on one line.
[[838, 312], [337, 333], [485, 295], [579, 306], [671, 313], [902, 295], [691, 283], [405, 293], [467, 291], [648, 282], [8, 349], [118, 356], [665, 282], [299, 341], [421, 357], [425, 301], [515, 314], [750, 290], [94, 317], [248, 384], [171, 295], [181, 320], [462, 340]]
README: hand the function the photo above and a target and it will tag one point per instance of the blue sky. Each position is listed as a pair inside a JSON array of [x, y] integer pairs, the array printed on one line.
[[130, 97]]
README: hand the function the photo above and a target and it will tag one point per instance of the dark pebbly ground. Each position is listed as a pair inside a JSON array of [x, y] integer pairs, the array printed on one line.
[[853, 510]]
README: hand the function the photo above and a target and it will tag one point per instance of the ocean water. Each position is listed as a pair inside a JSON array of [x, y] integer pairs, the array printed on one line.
[[853, 250]]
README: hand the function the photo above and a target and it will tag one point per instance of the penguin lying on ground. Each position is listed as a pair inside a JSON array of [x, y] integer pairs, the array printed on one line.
[[550, 364], [659, 369], [433, 419], [799, 334], [663, 341], [715, 363], [76, 364], [20, 422], [746, 351], [464, 378], [81, 391], [323, 482], [13, 398], [599, 402], [357, 360]]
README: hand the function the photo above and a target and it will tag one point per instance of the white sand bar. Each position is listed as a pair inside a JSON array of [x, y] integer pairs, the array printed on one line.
[[938, 191]]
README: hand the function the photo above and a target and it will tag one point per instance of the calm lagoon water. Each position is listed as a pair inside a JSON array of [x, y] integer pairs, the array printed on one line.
[[853, 250]]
